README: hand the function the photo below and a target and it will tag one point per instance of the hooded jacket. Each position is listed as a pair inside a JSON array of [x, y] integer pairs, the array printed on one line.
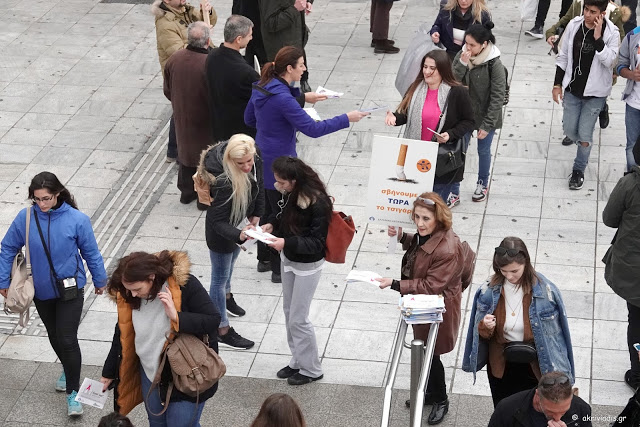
[[70, 239], [276, 114], [223, 236], [486, 88], [622, 260], [171, 27], [197, 315], [282, 25], [627, 58]]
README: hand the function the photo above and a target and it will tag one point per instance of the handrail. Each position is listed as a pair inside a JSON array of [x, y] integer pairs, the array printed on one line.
[[416, 419], [390, 379], [417, 357]]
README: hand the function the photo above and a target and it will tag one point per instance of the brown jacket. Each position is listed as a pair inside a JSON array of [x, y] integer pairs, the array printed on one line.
[[443, 266], [497, 340], [185, 85]]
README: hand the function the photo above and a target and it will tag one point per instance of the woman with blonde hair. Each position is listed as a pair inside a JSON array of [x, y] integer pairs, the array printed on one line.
[[453, 20], [436, 263], [233, 171]]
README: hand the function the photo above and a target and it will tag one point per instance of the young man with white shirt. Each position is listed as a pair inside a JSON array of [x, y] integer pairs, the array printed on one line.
[[628, 61]]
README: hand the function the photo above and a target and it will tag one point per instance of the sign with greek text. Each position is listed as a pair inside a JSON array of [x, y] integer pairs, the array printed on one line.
[[401, 169]]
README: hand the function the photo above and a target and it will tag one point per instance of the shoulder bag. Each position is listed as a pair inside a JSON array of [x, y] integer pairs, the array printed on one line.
[[339, 237], [21, 290], [520, 352], [450, 155]]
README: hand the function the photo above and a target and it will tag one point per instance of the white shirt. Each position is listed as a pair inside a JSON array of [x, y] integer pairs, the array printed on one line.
[[514, 315], [633, 100], [150, 324]]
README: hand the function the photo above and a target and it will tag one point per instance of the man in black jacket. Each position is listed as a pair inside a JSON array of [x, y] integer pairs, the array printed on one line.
[[551, 404], [229, 80], [250, 9]]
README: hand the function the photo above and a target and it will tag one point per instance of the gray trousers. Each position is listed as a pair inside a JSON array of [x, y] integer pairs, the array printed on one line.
[[297, 293]]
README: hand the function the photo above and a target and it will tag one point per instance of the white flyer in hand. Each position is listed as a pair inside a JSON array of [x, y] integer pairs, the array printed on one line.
[[363, 276], [384, 108], [313, 113], [260, 235], [91, 393], [329, 93]]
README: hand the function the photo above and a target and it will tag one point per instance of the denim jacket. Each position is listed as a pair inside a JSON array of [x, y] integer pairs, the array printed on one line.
[[548, 322]]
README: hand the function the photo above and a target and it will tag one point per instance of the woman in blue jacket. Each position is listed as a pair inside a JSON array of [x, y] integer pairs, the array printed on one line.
[[276, 114], [452, 22], [69, 238], [519, 326]]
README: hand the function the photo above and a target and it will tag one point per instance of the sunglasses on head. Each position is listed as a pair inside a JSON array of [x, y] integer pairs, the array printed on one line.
[[504, 251], [550, 382], [426, 201]]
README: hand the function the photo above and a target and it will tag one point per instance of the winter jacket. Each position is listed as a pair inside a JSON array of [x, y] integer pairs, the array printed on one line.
[[171, 27], [282, 25], [457, 121], [486, 88], [600, 77], [229, 81], [221, 235], [618, 15], [443, 266], [548, 319], [627, 58], [513, 411], [70, 239], [622, 270], [185, 85], [275, 113], [443, 25], [197, 315]]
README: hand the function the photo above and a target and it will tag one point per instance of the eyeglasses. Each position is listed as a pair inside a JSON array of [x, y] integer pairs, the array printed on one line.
[[550, 382], [426, 201], [504, 251], [43, 199]]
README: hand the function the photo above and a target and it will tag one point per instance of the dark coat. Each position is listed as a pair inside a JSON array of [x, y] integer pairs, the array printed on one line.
[[251, 10], [513, 412], [282, 25], [458, 121], [185, 86], [443, 25], [229, 80], [197, 315], [443, 266], [623, 258], [221, 235]]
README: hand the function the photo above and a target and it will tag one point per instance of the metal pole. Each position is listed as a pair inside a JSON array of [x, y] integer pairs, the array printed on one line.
[[417, 357], [398, 344], [416, 410]]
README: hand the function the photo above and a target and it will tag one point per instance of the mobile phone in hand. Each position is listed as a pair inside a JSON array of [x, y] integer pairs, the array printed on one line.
[[637, 346]]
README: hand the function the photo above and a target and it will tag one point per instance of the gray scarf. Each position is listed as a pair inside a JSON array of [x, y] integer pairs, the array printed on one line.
[[413, 130]]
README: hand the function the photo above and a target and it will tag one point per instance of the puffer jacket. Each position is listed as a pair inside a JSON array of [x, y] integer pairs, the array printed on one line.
[[197, 315], [171, 27], [623, 257], [69, 237], [221, 235]]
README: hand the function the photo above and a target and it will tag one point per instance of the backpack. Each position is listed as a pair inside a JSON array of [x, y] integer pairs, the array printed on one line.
[[506, 75], [21, 290]]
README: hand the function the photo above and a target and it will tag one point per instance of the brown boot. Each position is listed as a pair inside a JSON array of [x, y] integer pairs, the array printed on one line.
[[373, 42], [383, 46]]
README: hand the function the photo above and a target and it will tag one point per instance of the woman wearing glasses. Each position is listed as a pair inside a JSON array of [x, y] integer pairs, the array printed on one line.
[[436, 263], [303, 219], [519, 326], [60, 238]]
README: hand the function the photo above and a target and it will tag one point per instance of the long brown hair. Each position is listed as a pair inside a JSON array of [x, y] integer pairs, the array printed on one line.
[[528, 278], [440, 210], [288, 55], [48, 181], [139, 267], [279, 410], [443, 65]]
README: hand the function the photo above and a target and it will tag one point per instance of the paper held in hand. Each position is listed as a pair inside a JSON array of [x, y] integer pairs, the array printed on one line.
[[260, 235], [417, 309], [363, 276], [313, 113], [91, 394], [329, 93]]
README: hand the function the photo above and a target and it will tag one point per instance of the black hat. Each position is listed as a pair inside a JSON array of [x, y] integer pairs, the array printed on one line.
[[636, 151]]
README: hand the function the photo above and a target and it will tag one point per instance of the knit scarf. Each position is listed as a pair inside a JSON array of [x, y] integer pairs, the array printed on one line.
[[413, 130], [474, 61]]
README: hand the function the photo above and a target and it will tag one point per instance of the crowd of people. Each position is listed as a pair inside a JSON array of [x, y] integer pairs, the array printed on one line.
[[233, 134]]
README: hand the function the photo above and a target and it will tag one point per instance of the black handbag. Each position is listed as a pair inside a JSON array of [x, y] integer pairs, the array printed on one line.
[[450, 155], [520, 352]]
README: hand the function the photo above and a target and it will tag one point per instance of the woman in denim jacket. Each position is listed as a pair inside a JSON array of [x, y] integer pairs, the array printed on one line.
[[517, 305]]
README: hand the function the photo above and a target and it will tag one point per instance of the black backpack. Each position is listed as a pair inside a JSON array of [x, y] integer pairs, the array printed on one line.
[[506, 75]]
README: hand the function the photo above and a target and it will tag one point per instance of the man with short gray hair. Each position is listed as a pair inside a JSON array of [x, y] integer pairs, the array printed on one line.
[[551, 404], [229, 80], [186, 87]]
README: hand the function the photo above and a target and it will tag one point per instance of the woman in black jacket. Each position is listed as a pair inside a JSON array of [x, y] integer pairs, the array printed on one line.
[[155, 295], [305, 211], [436, 101], [233, 171], [452, 22]]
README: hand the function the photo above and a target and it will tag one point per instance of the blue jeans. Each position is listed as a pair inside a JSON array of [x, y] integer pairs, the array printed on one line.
[[578, 121], [484, 159], [443, 190], [221, 271], [632, 123], [181, 413]]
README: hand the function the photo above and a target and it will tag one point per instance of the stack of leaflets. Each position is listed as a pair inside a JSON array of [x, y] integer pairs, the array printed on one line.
[[417, 309]]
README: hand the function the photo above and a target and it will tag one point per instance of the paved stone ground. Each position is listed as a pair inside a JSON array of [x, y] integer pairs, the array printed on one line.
[[80, 95]]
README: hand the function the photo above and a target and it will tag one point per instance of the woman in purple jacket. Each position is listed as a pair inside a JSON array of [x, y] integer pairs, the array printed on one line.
[[277, 115]]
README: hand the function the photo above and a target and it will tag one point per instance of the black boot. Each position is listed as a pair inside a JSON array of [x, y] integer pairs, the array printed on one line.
[[428, 400], [438, 411]]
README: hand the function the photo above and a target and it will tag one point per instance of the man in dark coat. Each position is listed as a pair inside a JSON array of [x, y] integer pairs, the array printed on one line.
[[185, 86], [229, 80], [250, 9]]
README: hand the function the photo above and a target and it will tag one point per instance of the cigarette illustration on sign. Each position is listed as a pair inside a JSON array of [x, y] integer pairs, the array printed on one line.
[[400, 164]]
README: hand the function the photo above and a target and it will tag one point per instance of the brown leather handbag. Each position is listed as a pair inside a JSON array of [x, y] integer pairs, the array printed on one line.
[[341, 232]]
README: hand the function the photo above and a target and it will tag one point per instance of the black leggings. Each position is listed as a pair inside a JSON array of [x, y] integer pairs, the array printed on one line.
[[265, 253], [437, 386], [62, 318], [633, 336], [516, 377]]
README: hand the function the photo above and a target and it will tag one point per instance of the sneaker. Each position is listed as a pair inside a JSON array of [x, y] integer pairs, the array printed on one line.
[[61, 384], [567, 141], [535, 32], [264, 266], [287, 372], [453, 200], [73, 408], [632, 379], [233, 308], [383, 46], [276, 278], [480, 194], [171, 159], [373, 42], [300, 379], [576, 180], [234, 340]]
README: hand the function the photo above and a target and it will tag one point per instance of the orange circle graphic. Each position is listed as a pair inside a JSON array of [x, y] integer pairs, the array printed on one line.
[[423, 165]]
